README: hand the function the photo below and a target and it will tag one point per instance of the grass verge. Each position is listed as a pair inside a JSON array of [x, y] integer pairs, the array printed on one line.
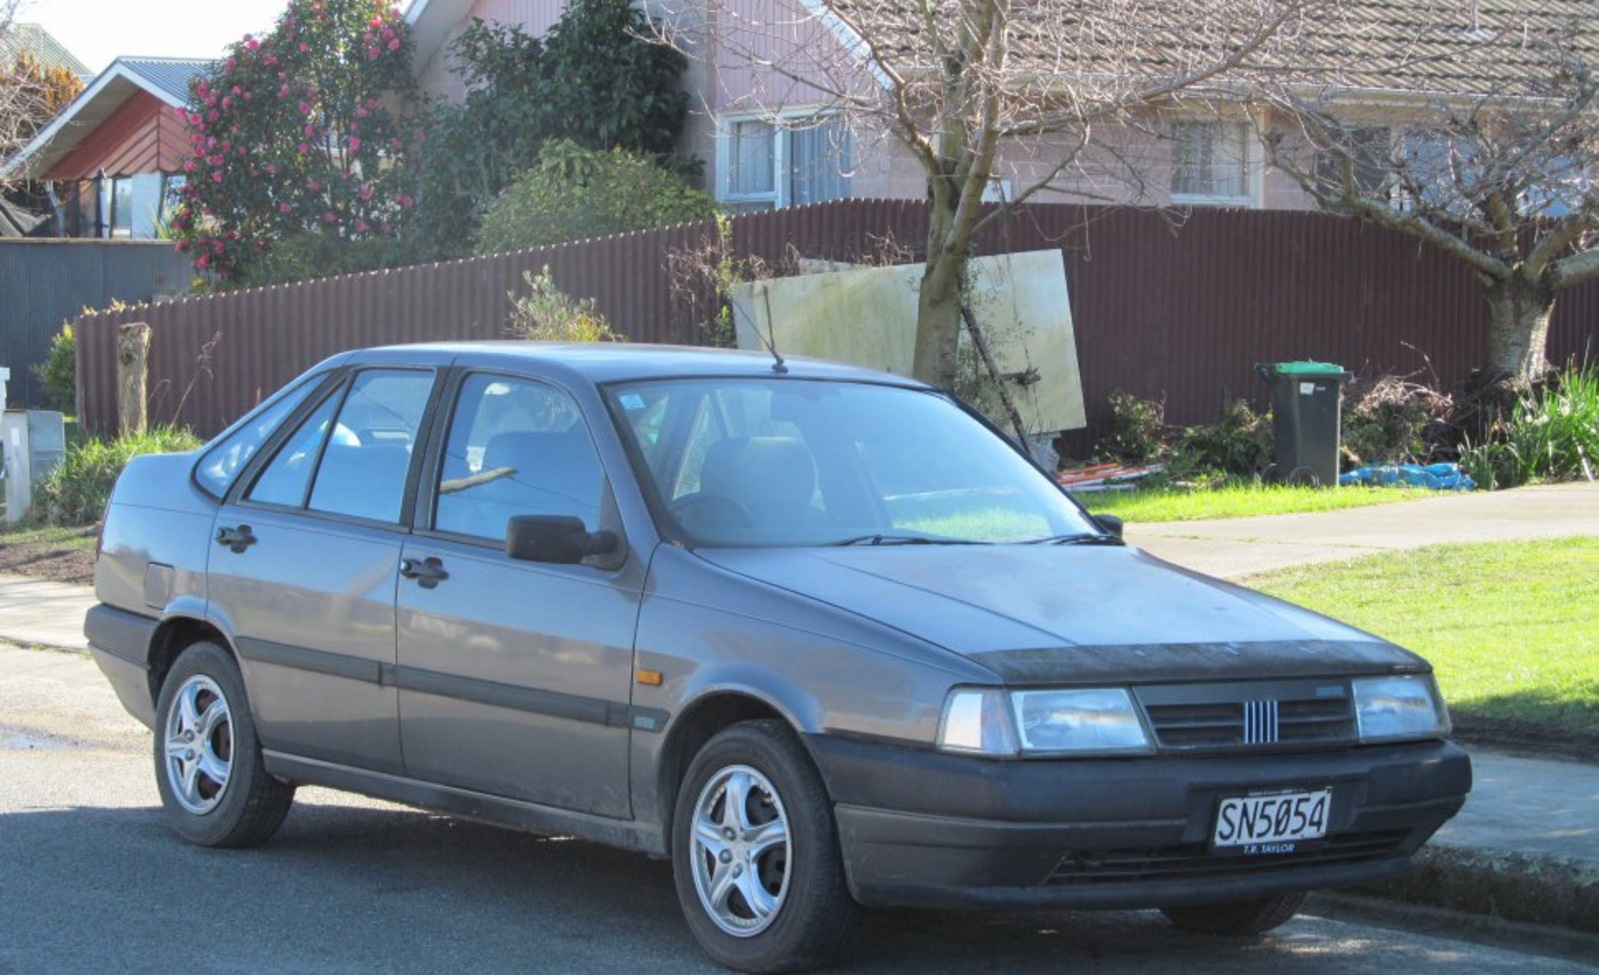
[[1511, 628], [1242, 501], [61, 536]]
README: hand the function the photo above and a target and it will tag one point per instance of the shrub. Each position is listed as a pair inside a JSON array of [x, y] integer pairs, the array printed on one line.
[[574, 193], [1238, 445], [76, 492], [59, 370], [1552, 434], [1137, 430], [547, 314]]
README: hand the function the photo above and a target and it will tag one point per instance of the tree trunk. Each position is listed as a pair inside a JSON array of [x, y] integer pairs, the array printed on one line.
[[1518, 328], [938, 305], [133, 353]]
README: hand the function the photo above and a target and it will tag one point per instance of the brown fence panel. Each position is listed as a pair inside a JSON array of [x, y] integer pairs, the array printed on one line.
[[1172, 307]]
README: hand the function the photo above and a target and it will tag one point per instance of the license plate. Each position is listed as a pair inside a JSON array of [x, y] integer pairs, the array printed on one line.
[[1275, 823]]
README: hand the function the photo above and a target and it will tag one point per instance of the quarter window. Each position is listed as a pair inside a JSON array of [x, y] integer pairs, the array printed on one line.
[[223, 462], [516, 447]]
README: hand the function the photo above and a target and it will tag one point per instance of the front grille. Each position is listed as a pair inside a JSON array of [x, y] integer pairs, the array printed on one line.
[[1249, 715], [1196, 860]]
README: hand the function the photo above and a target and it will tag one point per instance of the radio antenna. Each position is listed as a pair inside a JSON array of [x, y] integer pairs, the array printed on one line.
[[770, 338]]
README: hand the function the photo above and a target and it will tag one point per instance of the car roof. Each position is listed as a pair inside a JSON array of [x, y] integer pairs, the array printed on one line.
[[608, 362]]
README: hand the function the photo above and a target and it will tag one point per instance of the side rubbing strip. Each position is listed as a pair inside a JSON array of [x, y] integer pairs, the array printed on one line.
[[316, 661]]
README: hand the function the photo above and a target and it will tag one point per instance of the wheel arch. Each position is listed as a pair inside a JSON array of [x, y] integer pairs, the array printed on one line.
[[171, 638], [697, 724]]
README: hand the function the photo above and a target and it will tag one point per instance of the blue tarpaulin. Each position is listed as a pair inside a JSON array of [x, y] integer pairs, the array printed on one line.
[[1439, 477]]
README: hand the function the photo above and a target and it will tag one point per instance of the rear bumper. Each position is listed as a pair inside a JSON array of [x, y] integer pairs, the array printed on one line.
[[119, 641], [926, 829]]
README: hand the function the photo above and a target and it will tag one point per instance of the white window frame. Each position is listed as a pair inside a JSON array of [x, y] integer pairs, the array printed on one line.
[[1253, 196], [780, 196]]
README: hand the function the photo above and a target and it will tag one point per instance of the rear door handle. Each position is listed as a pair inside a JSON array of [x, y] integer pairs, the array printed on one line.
[[428, 572], [236, 539]]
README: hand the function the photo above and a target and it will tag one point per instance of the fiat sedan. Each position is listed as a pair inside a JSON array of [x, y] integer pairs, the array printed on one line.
[[819, 635]]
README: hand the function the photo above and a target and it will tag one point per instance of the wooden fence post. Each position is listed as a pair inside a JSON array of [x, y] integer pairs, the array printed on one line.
[[133, 354]]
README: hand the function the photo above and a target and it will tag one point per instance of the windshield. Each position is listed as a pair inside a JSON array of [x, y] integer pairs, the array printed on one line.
[[763, 462]]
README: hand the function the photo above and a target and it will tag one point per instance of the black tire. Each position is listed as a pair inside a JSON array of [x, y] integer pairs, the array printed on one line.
[[814, 914], [207, 758], [1237, 917]]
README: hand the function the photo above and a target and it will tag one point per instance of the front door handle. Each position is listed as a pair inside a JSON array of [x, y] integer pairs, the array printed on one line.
[[428, 572], [236, 539]]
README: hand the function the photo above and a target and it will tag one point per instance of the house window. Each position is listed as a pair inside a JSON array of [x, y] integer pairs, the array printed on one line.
[[778, 162], [1369, 149], [171, 199], [121, 224], [1211, 163]]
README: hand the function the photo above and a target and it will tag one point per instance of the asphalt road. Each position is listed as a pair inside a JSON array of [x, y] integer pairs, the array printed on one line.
[[91, 881]]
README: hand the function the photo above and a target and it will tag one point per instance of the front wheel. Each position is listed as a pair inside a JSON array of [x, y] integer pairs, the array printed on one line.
[[755, 854], [207, 760], [1237, 917]]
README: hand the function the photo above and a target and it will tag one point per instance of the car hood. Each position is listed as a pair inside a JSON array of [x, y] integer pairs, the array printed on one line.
[[1035, 613]]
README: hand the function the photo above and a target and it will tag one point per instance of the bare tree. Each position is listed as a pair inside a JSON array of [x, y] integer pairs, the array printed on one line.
[[31, 94], [1044, 92], [1500, 174]]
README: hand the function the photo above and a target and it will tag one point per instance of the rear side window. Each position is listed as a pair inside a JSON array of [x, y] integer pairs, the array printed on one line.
[[221, 464], [352, 454]]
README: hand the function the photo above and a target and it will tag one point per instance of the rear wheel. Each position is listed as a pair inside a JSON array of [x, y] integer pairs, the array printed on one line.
[[755, 854], [207, 759], [1237, 917]]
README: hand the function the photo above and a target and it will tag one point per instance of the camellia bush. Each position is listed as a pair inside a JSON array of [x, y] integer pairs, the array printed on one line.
[[298, 147]]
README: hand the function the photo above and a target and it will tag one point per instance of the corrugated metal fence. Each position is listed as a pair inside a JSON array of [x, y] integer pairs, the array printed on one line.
[[1164, 307], [44, 283]]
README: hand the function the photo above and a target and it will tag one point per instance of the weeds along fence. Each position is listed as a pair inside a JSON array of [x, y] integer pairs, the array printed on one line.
[[1173, 307]]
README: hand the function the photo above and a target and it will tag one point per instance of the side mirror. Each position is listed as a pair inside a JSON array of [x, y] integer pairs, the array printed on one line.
[[1110, 523], [558, 539]]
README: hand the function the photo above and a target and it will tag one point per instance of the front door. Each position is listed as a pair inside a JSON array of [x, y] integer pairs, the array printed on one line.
[[515, 677]]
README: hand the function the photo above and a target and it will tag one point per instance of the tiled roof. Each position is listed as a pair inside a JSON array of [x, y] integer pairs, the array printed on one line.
[[170, 75], [38, 42], [1467, 47]]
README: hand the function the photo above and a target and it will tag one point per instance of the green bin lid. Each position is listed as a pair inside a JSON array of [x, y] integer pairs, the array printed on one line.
[[1307, 368]]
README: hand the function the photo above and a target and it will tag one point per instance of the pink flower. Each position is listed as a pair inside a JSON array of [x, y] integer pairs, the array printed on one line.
[[252, 44], [355, 143], [394, 45], [304, 47], [271, 60], [272, 169], [330, 217], [310, 130], [313, 185], [218, 247], [304, 149], [183, 247], [216, 177], [232, 63], [366, 191], [305, 108], [285, 208], [227, 101], [362, 112], [202, 261], [360, 226], [283, 92], [372, 53], [188, 165], [181, 112], [211, 143]]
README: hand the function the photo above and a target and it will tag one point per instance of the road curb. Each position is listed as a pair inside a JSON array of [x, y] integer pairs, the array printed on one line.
[[1552, 891]]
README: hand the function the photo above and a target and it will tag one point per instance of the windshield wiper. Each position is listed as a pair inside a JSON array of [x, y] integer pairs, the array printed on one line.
[[1080, 538], [881, 539]]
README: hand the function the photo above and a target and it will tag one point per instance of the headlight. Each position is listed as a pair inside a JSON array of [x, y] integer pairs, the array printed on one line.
[[1398, 708], [1084, 721], [990, 721]]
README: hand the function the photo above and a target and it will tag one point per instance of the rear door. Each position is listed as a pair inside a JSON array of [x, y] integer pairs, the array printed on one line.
[[515, 677], [304, 570]]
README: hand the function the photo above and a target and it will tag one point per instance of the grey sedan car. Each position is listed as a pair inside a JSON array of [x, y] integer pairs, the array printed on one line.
[[819, 635]]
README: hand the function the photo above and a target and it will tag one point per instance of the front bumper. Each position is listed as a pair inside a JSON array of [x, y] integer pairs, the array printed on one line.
[[921, 828]]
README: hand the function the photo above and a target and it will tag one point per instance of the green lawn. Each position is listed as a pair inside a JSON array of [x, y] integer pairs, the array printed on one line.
[[26, 532], [1511, 628], [1180, 504]]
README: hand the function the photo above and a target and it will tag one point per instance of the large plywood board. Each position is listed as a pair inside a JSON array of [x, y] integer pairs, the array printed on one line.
[[867, 317]]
